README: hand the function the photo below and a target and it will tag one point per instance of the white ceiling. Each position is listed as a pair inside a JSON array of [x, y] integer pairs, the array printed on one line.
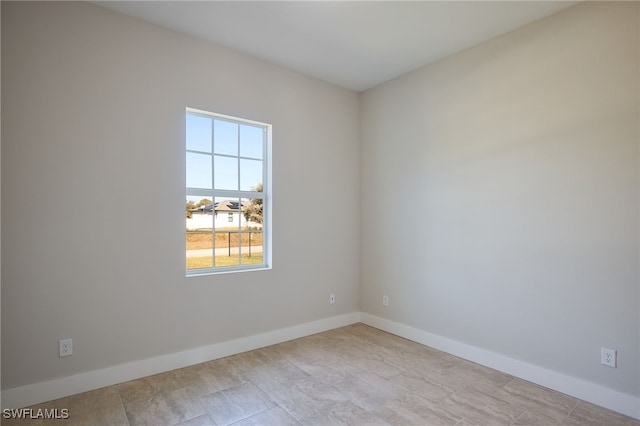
[[356, 44]]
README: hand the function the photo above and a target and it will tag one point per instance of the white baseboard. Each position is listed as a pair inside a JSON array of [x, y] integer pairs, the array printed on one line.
[[587, 391], [58, 388]]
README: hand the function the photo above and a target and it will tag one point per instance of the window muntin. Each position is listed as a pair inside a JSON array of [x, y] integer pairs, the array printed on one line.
[[227, 170]]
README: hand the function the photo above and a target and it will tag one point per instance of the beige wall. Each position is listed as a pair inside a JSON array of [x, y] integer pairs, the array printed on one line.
[[93, 110], [516, 164]]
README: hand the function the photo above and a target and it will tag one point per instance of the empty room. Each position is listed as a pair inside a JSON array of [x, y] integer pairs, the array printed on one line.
[[396, 213]]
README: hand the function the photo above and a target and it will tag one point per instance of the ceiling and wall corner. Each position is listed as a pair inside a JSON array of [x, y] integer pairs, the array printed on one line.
[[353, 44]]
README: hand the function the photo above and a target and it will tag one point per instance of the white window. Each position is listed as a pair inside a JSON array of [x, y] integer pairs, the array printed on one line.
[[227, 171]]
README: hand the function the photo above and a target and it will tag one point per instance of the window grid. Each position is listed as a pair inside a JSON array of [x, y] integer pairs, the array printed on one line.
[[238, 198]]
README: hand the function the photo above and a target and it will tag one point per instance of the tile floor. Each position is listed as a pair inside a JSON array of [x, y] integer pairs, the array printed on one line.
[[355, 375]]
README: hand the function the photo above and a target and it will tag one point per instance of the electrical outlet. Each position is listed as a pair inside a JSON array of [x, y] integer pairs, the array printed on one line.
[[65, 347], [332, 298], [608, 357], [385, 300]]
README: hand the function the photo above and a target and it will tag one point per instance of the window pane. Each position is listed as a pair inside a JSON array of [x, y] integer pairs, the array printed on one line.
[[251, 249], [251, 138], [199, 218], [225, 136], [225, 159], [228, 216], [227, 248], [251, 175], [198, 170], [199, 213], [198, 133], [199, 250], [251, 235], [226, 172], [252, 213]]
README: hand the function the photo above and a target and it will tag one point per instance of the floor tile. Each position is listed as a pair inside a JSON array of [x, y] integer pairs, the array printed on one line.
[[414, 410], [306, 397], [147, 387], [275, 373], [533, 417], [237, 403], [101, 407], [422, 386], [203, 420], [272, 416], [587, 414], [430, 364], [394, 344], [369, 357], [248, 360], [537, 399], [478, 377], [325, 366], [344, 413], [167, 408], [370, 391], [478, 408], [211, 377]]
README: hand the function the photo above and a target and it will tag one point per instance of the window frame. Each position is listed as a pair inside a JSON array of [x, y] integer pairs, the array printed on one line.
[[238, 194]]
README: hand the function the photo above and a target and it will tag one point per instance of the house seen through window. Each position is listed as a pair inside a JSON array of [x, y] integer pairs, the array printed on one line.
[[227, 170]]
